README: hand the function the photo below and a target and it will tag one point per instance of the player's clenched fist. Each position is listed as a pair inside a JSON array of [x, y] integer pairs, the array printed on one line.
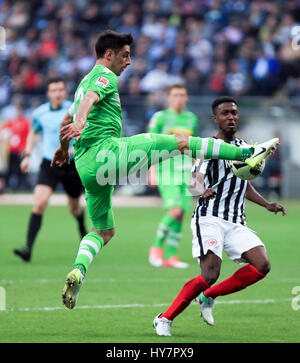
[[60, 157], [209, 193]]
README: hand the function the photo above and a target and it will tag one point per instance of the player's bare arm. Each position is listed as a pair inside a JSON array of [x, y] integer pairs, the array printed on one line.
[[75, 129], [255, 197], [30, 143], [61, 155], [196, 184]]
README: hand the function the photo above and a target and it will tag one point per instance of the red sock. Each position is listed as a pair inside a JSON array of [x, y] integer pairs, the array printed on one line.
[[189, 292], [242, 278]]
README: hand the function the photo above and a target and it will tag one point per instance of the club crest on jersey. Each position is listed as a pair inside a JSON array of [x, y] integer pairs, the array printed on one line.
[[102, 82], [212, 242]]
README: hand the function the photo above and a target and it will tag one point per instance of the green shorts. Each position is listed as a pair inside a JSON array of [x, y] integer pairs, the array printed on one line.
[[99, 167], [175, 196]]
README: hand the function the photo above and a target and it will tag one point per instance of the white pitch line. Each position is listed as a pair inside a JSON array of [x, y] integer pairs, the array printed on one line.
[[86, 307]]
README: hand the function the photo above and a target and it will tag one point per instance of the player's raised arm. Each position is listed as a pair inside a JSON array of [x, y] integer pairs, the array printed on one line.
[[85, 106], [255, 197]]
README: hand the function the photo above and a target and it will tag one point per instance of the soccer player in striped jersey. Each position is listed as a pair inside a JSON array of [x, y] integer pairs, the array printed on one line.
[[173, 187], [218, 225]]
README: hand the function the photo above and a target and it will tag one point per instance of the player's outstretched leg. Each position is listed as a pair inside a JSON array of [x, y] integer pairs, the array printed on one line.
[[261, 151], [216, 149]]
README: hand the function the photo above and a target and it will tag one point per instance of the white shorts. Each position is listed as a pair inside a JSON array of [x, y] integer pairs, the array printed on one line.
[[217, 235]]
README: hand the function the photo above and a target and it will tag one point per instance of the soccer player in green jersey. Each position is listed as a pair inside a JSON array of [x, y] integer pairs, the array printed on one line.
[[174, 189], [102, 155]]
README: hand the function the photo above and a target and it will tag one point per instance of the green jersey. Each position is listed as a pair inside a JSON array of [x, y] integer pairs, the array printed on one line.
[[105, 118], [170, 122]]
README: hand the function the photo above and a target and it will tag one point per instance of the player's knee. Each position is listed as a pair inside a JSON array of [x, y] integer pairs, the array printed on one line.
[[40, 206], [106, 235], [176, 213], [264, 267], [75, 209]]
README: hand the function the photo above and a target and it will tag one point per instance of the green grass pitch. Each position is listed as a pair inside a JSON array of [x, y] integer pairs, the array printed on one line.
[[122, 292]]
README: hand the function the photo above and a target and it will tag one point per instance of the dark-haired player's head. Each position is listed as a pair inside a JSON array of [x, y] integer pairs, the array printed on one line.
[[223, 99], [113, 49], [177, 97], [225, 115], [56, 91]]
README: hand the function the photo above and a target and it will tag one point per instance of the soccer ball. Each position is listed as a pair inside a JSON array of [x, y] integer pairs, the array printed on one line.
[[244, 171]]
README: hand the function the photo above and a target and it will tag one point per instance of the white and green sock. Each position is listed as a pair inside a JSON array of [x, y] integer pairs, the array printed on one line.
[[217, 149], [89, 247], [162, 231], [173, 239]]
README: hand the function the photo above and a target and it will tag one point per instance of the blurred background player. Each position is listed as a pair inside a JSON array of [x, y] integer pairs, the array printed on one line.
[[15, 131], [219, 224], [47, 119], [172, 178]]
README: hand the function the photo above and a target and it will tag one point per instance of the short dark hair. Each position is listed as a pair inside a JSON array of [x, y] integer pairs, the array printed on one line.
[[218, 101], [54, 80], [175, 85], [109, 39]]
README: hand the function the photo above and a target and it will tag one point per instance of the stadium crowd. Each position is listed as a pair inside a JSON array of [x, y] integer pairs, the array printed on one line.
[[233, 47], [237, 47]]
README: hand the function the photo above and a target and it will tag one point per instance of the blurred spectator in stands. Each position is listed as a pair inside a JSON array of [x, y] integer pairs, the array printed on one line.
[[48, 45], [15, 132], [129, 24], [265, 74], [19, 15], [178, 61], [289, 59], [200, 51], [237, 82], [158, 78], [220, 53], [10, 111], [216, 80], [194, 83], [47, 37], [115, 11], [5, 89]]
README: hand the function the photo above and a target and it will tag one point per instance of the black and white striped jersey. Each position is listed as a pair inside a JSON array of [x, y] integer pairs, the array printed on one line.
[[228, 203]]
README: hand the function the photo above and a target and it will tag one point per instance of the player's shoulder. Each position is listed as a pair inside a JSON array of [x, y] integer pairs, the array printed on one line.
[[104, 72], [159, 114], [190, 114], [41, 109], [103, 77], [67, 104]]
